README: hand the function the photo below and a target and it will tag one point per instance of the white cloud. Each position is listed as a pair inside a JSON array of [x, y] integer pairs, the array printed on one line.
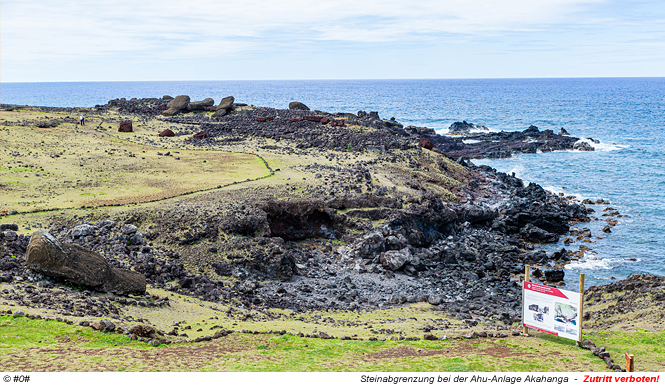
[[167, 30], [153, 39]]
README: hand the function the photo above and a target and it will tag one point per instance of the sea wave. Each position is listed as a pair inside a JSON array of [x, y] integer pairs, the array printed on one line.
[[602, 146], [599, 263]]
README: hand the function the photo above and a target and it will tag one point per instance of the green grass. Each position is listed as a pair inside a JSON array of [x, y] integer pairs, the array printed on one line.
[[40, 345], [21, 332]]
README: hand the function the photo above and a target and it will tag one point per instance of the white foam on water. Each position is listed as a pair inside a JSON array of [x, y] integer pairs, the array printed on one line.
[[557, 190], [601, 146], [518, 171], [471, 141], [598, 263]]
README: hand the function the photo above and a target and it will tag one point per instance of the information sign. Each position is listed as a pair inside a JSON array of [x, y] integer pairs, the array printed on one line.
[[551, 310]]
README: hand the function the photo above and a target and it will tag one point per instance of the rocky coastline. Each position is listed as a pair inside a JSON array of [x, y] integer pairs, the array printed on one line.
[[442, 231]]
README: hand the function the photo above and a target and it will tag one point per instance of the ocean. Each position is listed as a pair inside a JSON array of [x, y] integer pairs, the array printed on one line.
[[627, 116]]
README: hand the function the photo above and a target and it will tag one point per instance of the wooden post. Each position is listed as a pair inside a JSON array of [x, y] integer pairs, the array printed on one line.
[[579, 330], [527, 275], [630, 362]]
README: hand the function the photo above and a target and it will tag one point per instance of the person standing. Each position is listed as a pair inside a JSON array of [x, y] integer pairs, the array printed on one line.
[[82, 119]]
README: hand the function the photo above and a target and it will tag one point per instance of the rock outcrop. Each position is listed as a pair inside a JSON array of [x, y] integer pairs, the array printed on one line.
[[81, 266], [582, 146], [463, 128]]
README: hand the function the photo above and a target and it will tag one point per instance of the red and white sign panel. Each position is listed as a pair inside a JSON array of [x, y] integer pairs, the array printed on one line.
[[551, 310]]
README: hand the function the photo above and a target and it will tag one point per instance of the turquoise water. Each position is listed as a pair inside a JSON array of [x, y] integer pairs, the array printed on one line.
[[626, 114]]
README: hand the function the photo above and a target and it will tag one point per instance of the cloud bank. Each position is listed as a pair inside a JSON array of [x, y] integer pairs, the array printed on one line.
[[55, 34]]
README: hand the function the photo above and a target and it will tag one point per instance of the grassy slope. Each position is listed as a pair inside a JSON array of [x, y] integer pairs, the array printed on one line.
[[38, 345], [94, 167], [75, 348]]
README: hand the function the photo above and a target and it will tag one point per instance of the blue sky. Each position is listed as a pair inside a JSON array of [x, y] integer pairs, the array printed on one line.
[[110, 40]]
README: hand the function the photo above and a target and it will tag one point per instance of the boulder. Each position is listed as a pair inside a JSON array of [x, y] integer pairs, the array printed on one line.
[[298, 106], [563, 131], [82, 231], [180, 102], [50, 257], [106, 325], [463, 128], [582, 146], [200, 135], [534, 233], [325, 120], [167, 133], [142, 331], [588, 344], [554, 275], [395, 259], [167, 97], [426, 143], [200, 105], [126, 126], [224, 106]]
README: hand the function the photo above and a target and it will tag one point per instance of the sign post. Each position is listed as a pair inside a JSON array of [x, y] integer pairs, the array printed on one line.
[[630, 362], [552, 310], [581, 291], [527, 275]]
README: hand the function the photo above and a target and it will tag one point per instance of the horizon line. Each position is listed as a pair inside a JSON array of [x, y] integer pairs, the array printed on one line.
[[339, 79]]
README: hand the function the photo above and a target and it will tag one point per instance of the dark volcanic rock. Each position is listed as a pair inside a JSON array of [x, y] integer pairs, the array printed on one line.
[[503, 144], [554, 275], [298, 106], [463, 128], [582, 146], [536, 234], [395, 259], [142, 331], [126, 126], [50, 257]]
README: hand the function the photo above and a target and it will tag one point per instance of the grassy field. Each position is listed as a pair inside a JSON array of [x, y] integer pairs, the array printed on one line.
[[72, 166], [39, 345]]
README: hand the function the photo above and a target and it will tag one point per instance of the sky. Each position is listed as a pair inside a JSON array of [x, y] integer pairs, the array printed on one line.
[[122, 40]]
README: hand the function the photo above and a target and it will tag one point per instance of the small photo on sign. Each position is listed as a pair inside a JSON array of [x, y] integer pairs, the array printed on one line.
[[538, 312], [564, 313]]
